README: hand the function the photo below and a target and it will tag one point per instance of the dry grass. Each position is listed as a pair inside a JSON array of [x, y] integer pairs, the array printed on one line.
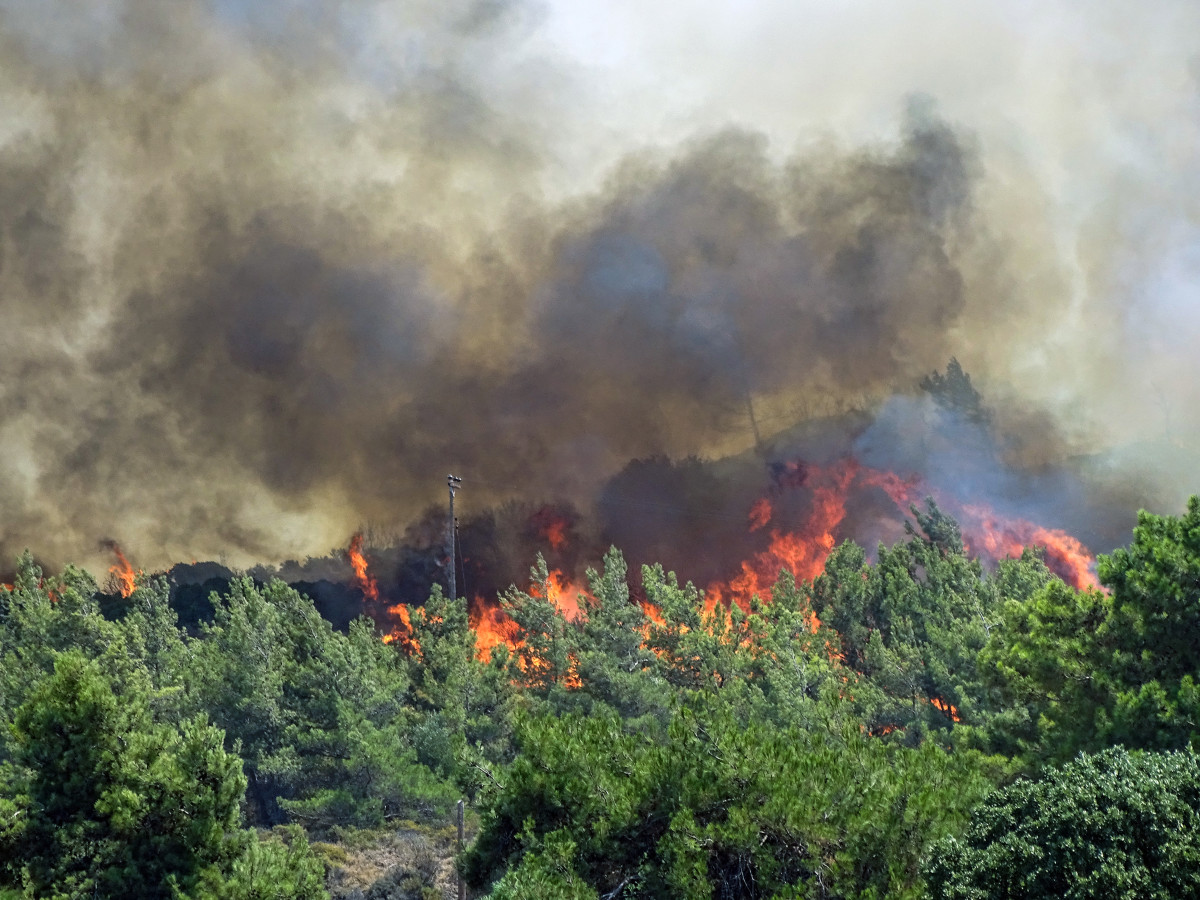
[[405, 862]]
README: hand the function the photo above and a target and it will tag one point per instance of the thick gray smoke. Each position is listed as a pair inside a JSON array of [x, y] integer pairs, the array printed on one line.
[[269, 275]]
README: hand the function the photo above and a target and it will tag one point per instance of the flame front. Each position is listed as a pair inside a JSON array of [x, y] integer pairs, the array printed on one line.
[[802, 551], [803, 548], [796, 522], [563, 594]]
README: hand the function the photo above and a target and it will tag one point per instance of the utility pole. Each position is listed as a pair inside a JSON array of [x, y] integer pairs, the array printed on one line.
[[452, 481]]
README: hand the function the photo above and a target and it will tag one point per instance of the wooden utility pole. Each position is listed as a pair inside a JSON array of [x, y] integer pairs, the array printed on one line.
[[453, 481]]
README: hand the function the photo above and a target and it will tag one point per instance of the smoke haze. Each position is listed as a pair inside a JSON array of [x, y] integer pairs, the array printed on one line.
[[267, 275]]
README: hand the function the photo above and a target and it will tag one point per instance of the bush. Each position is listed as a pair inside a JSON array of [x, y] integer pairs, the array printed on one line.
[[1113, 825]]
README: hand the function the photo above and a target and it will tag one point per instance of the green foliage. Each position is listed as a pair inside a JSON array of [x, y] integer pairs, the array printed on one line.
[[613, 664], [1114, 826], [113, 804], [718, 809], [279, 866], [543, 660], [545, 873], [316, 714], [460, 706], [42, 616], [914, 625], [155, 643], [1091, 669], [814, 744], [1048, 658]]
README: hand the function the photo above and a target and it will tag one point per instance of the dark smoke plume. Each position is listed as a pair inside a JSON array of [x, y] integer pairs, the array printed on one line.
[[266, 276]]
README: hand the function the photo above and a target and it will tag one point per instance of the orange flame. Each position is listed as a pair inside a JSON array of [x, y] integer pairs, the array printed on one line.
[[760, 513], [944, 707], [121, 572], [556, 534], [552, 525], [652, 613], [801, 551], [403, 633], [367, 584], [563, 593], [493, 627], [999, 537]]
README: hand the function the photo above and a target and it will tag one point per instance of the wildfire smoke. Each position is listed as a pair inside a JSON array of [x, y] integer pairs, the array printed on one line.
[[267, 274]]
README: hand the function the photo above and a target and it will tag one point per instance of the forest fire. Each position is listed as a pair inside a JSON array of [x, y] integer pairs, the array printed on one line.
[[943, 707], [403, 632], [801, 551], [803, 547], [121, 574], [563, 594], [367, 584], [997, 538], [552, 526], [792, 526], [493, 627]]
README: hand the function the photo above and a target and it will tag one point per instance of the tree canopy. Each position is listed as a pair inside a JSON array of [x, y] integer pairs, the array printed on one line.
[[909, 723]]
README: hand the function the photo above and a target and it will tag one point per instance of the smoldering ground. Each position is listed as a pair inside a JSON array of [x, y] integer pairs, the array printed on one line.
[[268, 276]]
